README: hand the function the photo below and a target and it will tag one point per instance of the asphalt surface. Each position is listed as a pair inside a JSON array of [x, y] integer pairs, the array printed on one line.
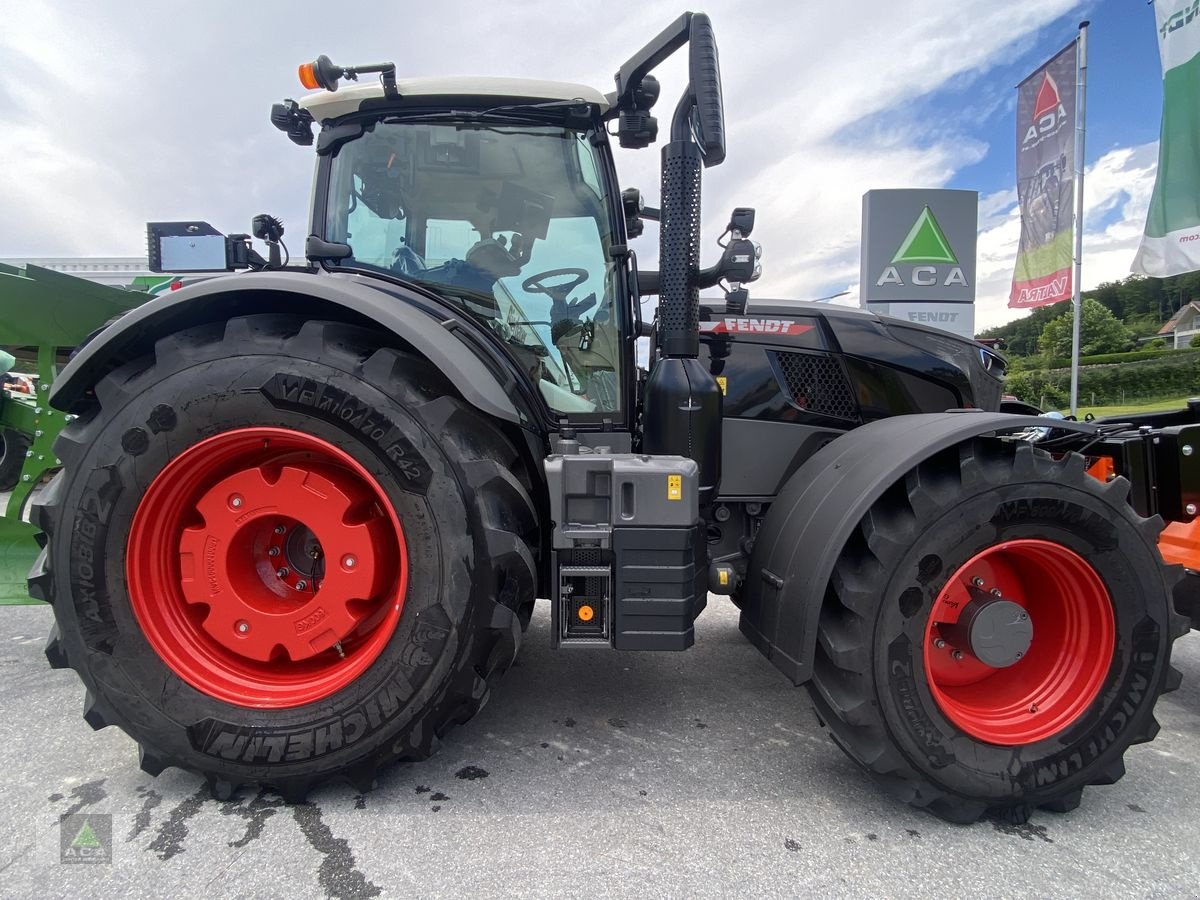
[[589, 772]]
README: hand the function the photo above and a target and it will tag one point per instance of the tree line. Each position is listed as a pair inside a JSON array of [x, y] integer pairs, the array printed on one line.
[[1121, 312]]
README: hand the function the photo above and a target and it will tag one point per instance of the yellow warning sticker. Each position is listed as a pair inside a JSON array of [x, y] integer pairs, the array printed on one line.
[[674, 487], [722, 383], [723, 576]]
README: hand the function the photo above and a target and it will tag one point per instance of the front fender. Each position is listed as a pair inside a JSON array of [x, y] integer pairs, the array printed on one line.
[[431, 331], [818, 508]]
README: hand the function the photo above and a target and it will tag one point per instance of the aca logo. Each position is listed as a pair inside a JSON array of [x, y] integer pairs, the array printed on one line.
[[1049, 115], [924, 257]]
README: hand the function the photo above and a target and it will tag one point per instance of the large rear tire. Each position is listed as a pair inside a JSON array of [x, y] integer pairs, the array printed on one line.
[[279, 552], [999, 717]]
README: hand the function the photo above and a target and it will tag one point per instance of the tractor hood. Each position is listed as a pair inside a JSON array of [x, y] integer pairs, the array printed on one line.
[[889, 366]]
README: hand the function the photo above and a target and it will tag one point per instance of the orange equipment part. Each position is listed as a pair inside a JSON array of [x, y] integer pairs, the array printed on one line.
[[1179, 542]]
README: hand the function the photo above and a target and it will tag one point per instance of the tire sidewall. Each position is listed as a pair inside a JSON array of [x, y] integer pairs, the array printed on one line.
[[172, 407], [1108, 538]]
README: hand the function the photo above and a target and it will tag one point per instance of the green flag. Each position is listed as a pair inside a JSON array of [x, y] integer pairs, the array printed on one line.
[[1171, 244]]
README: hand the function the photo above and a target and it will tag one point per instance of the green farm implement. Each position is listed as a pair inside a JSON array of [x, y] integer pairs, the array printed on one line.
[[43, 315]]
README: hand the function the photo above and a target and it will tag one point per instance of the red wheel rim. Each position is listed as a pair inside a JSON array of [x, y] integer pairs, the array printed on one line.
[[266, 567], [1060, 674]]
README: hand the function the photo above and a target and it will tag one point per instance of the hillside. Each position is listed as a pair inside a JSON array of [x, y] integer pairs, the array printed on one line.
[[1143, 304]]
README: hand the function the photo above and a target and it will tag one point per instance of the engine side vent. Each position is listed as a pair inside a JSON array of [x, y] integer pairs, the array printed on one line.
[[817, 382]]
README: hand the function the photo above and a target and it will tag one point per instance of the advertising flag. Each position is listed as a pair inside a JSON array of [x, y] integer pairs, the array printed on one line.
[[1045, 183], [1171, 243]]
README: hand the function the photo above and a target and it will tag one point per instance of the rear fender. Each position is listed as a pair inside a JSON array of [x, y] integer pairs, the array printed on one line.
[[447, 342], [817, 510]]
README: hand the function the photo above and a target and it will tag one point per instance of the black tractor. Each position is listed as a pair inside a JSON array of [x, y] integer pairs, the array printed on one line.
[[305, 510]]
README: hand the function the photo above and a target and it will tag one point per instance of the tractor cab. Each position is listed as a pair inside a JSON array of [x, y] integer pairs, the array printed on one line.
[[505, 207], [501, 195]]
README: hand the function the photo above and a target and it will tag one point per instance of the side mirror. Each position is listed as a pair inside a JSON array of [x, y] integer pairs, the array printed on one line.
[[704, 70]]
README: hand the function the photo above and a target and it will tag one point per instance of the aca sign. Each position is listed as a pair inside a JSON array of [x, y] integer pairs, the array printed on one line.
[[918, 250]]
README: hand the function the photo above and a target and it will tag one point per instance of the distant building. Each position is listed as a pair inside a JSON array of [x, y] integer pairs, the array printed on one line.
[[115, 271], [1183, 326]]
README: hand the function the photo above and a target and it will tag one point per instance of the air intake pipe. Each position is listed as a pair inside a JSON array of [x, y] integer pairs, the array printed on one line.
[[683, 400]]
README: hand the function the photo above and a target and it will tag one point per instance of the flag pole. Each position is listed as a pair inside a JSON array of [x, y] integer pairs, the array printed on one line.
[[1080, 134]]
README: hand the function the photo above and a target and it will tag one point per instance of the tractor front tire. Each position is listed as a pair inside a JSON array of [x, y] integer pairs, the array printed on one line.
[[281, 552], [996, 633]]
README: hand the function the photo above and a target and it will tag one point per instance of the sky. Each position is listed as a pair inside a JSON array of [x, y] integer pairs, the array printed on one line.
[[115, 113]]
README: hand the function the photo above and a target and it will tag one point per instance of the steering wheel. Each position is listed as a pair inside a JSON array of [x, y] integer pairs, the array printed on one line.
[[536, 284]]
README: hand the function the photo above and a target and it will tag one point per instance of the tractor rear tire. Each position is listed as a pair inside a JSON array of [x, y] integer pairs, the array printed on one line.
[[13, 447], [912, 699], [281, 552]]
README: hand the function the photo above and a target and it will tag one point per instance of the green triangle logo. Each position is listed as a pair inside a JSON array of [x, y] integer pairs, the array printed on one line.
[[86, 838], [926, 243]]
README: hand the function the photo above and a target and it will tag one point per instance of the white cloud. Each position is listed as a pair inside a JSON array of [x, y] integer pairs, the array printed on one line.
[[124, 113], [792, 92]]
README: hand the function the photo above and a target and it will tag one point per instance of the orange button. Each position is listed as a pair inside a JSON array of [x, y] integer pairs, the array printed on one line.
[[586, 614]]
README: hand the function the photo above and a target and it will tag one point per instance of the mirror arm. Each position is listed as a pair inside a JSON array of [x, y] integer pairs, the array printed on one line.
[[681, 122], [667, 42]]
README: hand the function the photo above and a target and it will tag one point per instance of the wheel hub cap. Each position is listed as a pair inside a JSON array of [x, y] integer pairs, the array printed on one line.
[[996, 632], [1019, 642], [266, 567], [256, 607]]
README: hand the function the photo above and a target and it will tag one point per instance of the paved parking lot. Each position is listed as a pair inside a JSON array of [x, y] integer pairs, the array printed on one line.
[[694, 774]]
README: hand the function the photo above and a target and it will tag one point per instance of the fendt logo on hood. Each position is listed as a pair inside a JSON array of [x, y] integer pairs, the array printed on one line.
[[924, 256], [1049, 114], [741, 325]]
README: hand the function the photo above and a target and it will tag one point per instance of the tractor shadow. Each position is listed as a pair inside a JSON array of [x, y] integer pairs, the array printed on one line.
[[592, 728]]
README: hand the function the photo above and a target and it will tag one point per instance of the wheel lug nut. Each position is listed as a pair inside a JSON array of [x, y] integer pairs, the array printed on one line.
[[236, 501], [274, 551], [349, 561], [242, 627], [283, 572], [957, 654], [939, 644], [977, 581], [301, 584], [279, 529], [995, 592]]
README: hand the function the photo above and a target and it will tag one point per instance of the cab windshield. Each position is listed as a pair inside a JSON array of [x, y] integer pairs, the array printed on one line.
[[510, 222]]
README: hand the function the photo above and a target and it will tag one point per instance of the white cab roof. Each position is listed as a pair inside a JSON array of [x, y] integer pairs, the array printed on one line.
[[348, 98]]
